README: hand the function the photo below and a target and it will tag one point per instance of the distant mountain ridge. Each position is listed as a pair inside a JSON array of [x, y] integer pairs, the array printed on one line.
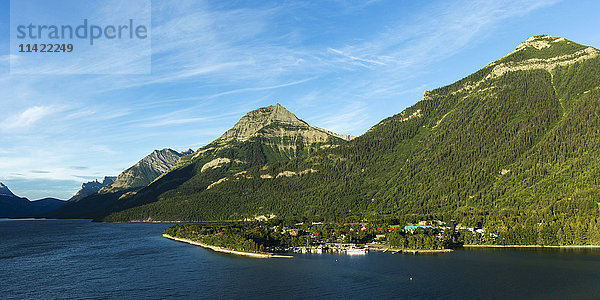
[[96, 199], [12, 206], [145, 170], [92, 187], [4, 191]]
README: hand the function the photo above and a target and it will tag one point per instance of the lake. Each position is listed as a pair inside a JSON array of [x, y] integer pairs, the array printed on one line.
[[79, 259]]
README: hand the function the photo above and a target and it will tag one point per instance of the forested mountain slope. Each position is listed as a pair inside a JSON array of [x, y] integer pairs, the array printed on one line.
[[264, 135], [515, 144]]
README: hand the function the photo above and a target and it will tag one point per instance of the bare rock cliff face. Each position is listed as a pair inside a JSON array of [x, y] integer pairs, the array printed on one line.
[[144, 171], [280, 129], [250, 124], [92, 187]]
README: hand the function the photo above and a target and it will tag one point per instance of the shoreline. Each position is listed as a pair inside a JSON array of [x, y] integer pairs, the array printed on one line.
[[420, 251], [534, 246], [225, 250], [386, 248], [426, 251]]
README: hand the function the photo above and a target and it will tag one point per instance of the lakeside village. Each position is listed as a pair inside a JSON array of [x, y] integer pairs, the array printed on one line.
[[318, 237]]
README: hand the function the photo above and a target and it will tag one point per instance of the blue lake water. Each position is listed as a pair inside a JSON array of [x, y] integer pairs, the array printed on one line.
[[78, 259]]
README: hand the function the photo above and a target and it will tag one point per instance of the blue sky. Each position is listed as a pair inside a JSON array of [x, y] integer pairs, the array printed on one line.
[[343, 65]]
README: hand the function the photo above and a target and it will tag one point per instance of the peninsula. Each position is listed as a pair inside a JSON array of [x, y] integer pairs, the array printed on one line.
[[225, 250]]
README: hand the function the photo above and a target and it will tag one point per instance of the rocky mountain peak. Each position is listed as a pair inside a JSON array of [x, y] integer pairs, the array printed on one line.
[[549, 49], [92, 187], [161, 160], [188, 152], [257, 119], [539, 42], [281, 114], [540, 52], [108, 180], [144, 171], [4, 191]]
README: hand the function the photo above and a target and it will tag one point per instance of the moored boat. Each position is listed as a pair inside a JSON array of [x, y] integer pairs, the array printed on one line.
[[356, 251]]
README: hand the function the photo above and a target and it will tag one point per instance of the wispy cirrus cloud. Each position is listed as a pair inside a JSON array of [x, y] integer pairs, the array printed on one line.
[[264, 88], [437, 32], [27, 118], [348, 115], [384, 62], [215, 60], [357, 59]]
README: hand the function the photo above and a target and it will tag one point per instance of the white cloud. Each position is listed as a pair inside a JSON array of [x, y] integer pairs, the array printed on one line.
[[203, 56], [8, 57], [354, 58], [344, 119], [384, 62], [176, 121], [437, 33], [27, 118], [265, 88]]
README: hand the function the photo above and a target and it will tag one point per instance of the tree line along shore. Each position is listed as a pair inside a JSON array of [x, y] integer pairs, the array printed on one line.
[[267, 238]]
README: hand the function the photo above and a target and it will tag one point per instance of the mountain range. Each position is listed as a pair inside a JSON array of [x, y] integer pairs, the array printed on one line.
[[514, 143], [91, 188], [264, 135], [12, 206], [513, 146], [145, 171], [95, 198]]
